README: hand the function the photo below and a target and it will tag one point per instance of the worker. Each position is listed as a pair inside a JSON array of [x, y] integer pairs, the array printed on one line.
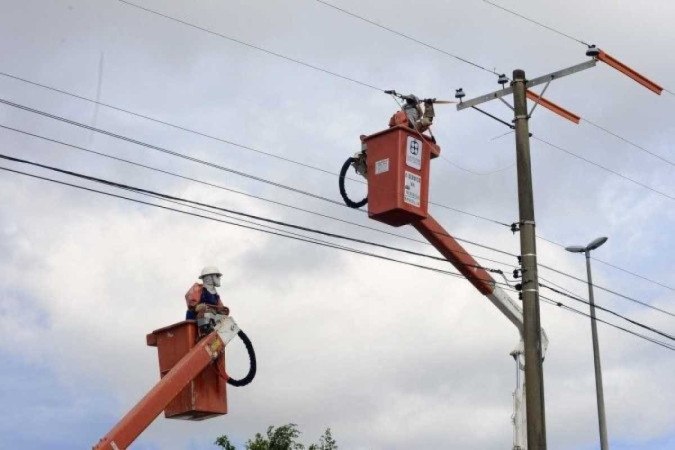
[[417, 119], [202, 297]]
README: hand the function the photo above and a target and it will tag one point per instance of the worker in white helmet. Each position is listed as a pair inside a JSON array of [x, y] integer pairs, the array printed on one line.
[[203, 296]]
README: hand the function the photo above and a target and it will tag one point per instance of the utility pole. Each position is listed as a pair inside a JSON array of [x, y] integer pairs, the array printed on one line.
[[534, 374], [532, 332]]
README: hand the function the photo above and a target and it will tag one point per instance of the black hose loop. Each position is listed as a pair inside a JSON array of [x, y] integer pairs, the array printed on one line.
[[343, 191], [252, 367]]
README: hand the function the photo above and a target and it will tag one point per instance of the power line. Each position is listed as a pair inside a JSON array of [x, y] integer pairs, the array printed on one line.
[[304, 239], [373, 87], [629, 142], [576, 311], [234, 171], [256, 178], [658, 283], [225, 141], [602, 308], [229, 142], [172, 125], [361, 252], [536, 23], [602, 288], [554, 30], [240, 42], [604, 168], [240, 213], [108, 133], [218, 186], [606, 130], [260, 179], [405, 36]]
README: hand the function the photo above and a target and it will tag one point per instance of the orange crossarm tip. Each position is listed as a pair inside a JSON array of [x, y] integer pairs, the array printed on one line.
[[553, 107], [624, 69]]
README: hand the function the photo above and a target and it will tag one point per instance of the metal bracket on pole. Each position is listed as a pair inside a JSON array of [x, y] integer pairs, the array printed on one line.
[[541, 96], [506, 103], [534, 82]]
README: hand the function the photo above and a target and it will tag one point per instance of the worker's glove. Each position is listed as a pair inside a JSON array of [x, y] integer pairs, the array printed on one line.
[[224, 310], [200, 307], [428, 101]]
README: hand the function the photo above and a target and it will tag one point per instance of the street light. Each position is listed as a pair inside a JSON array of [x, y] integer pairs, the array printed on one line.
[[594, 331]]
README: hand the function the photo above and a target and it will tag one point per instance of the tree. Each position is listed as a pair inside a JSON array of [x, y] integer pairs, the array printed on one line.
[[326, 442], [280, 438]]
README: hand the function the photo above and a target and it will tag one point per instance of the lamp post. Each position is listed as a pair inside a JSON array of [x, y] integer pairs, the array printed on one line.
[[594, 331]]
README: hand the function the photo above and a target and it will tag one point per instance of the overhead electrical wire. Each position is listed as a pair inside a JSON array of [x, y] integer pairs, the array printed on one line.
[[240, 42], [273, 155], [410, 38], [626, 330], [231, 211], [230, 170], [256, 178], [602, 308], [297, 238], [126, 111], [427, 45], [333, 235], [601, 261], [610, 291], [433, 269], [260, 179], [627, 141], [554, 30], [537, 23], [365, 84], [664, 194]]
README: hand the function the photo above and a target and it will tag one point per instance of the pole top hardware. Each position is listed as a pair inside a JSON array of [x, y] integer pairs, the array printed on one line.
[[503, 79], [592, 51], [459, 94]]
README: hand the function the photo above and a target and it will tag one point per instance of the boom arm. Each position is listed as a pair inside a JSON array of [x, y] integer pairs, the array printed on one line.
[[149, 407], [469, 267]]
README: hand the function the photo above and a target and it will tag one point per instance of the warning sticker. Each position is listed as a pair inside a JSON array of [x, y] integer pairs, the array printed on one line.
[[381, 166], [412, 188], [413, 154]]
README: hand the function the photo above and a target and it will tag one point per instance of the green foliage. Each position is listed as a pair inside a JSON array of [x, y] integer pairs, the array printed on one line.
[[326, 442], [224, 442], [280, 438]]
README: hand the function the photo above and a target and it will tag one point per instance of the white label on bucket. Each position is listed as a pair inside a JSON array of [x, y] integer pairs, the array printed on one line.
[[412, 188], [413, 154], [381, 166]]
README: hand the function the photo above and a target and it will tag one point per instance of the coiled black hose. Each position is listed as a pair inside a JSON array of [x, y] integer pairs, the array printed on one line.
[[343, 191], [252, 363]]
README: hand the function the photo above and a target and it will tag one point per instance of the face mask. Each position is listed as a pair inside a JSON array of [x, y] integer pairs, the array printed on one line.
[[211, 282]]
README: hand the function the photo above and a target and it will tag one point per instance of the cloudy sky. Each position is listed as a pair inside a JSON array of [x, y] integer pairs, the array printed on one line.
[[388, 356]]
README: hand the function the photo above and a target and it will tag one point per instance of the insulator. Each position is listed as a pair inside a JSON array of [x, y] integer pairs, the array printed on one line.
[[459, 93], [502, 79], [592, 51]]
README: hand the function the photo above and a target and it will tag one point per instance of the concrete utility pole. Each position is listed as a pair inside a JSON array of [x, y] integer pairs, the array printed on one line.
[[534, 374]]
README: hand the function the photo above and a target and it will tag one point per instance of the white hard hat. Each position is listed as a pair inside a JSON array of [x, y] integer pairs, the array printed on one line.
[[210, 270]]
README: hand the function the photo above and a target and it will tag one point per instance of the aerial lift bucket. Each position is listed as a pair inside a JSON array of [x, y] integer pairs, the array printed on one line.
[[398, 174], [206, 395]]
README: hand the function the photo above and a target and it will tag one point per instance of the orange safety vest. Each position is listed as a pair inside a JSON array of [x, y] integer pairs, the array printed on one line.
[[193, 296]]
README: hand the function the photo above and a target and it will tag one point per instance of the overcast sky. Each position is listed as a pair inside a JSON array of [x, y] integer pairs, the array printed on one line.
[[387, 355]]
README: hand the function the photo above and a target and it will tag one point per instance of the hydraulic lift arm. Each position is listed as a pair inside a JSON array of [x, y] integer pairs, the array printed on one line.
[[149, 407], [469, 267]]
